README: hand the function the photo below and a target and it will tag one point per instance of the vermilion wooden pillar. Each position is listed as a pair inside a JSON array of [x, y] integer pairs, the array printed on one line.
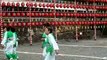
[[95, 37], [75, 11], [1, 21]]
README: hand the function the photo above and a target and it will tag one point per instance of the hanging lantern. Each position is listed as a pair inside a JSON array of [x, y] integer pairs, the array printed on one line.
[[33, 24], [96, 14], [27, 4], [70, 23], [46, 14], [18, 14], [39, 14], [40, 23], [61, 14], [40, 4], [71, 6], [36, 23], [56, 23], [85, 23], [68, 14], [36, 14], [3, 4], [76, 23], [43, 14], [89, 15], [104, 15], [57, 14], [22, 4], [92, 22], [99, 22], [8, 4], [86, 6], [22, 14], [8, 14], [65, 14], [17, 4], [68, 6], [77, 14], [95, 22], [104, 22], [32, 14], [13, 4], [81, 15], [88, 23], [35, 4], [0, 14], [4, 14], [19, 24], [57, 5], [51, 5], [67, 23], [64, 5], [10, 24], [52, 23], [60, 5], [82, 22], [15, 24], [31, 4], [97, 7], [13, 14], [59, 23], [51, 14], [84, 15], [43, 5], [28, 14], [27, 24], [63, 23], [73, 23], [79, 22], [47, 5], [4, 24], [77, 6], [71, 14]]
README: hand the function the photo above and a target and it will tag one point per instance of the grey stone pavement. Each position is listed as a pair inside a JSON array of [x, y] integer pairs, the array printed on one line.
[[69, 50]]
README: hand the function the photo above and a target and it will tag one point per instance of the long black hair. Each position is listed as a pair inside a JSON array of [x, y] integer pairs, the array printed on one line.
[[8, 28], [46, 24], [50, 29], [13, 29]]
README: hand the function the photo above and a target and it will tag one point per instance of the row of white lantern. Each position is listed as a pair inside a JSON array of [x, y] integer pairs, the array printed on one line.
[[51, 5]]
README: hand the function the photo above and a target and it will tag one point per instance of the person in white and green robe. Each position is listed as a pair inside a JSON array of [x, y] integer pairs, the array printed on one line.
[[16, 44], [44, 35], [8, 42], [50, 46]]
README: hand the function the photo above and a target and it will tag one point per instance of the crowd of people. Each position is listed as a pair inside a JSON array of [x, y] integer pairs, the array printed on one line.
[[9, 43]]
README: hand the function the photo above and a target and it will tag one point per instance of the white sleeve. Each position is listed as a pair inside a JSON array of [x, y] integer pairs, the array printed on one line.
[[14, 38], [4, 39], [53, 42]]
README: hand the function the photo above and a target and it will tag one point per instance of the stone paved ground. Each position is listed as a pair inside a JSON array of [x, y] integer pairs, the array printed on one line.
[[81, 50]]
